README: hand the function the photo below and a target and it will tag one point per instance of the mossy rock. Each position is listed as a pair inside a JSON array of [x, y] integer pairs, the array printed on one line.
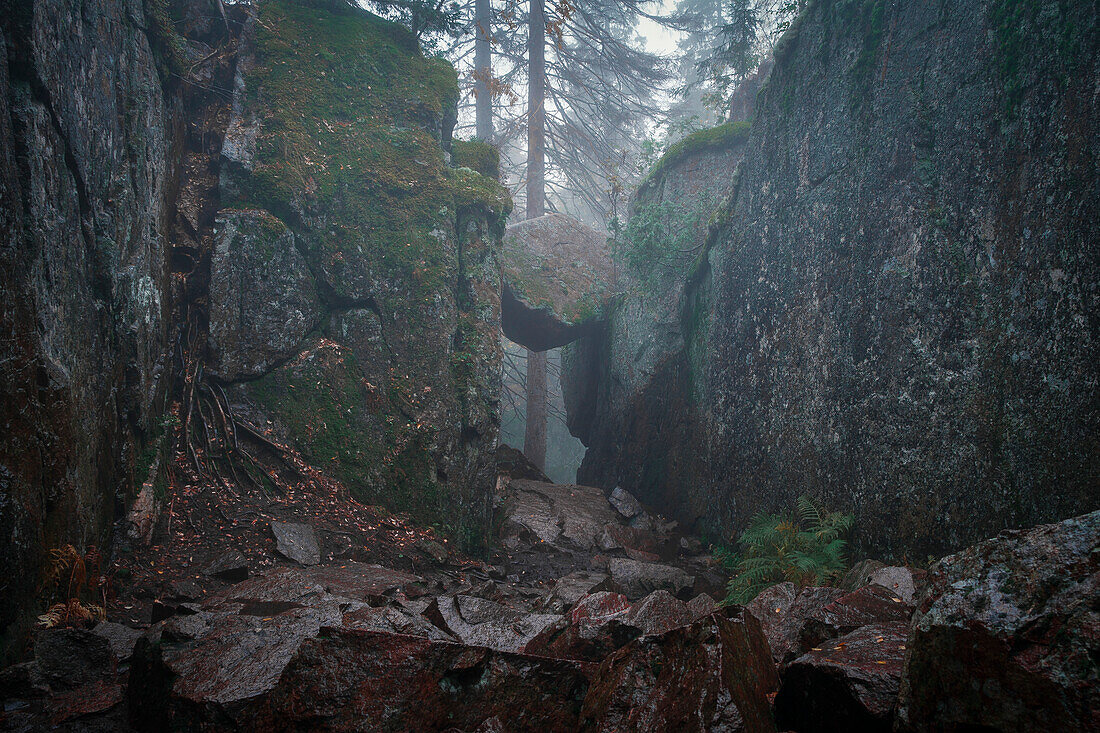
[[476, 155], [712, 138]]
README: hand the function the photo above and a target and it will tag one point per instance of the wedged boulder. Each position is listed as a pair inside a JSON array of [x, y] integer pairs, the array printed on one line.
[[263, 300], [782, 610], [1007, 635], [393, 620], [714, 675], [557, 277], [871, 604], [638, 578], [848, 685]]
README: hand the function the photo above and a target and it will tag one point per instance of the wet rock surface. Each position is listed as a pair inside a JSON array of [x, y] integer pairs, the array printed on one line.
[[713, 675], [847, 685], [842, 300], [1006, 635]]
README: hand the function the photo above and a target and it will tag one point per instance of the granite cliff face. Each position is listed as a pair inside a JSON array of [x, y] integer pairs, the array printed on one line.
[[87, 140], [354, 272], [898, 306], [306, 236]]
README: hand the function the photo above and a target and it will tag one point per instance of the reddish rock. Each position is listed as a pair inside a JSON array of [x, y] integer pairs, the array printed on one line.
[[714, 675], [702, 605], [95, 697], [1007, 635], [594, 628], [782, 613], [872, 604], [621, 537], [358, 680], [847, 685], [659, 612]]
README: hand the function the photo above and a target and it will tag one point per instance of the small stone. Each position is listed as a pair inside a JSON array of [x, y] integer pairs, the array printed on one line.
[[231, 567], [121, 638], [625, 503], [297, 542]]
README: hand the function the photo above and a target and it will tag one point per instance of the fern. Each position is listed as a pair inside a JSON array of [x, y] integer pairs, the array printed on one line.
[[75, 576], [805, 546]]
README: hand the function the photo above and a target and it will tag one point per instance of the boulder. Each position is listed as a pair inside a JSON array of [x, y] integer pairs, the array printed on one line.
[[571, 588], [1006, 637], [231, 568], [557, 276], [702, 605], [479, 622], [902, 581], [782, 610], [714, 675], [564, 516], [263, 300], [871, 604], [625, 503], [596, 626], [848, 685], [860, 574], [638, 578], [121, 638], [297, 542], [346, 679], [659, 612], [70, 658]]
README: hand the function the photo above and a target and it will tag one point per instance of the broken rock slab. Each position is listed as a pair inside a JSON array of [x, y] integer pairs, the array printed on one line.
[[479, 622], [297, 542], [871, 604], [637, 578], [714, 675], [847, 685], [782, 611], [1007, 636]]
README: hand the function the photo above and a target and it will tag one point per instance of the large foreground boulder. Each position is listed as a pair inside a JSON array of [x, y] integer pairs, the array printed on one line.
[[344, 680], [714, 675], [1008, 635], [847, 685]]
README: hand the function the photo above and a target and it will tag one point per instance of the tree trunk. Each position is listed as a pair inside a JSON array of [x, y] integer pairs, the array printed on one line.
[[483, 72], [534, 438]]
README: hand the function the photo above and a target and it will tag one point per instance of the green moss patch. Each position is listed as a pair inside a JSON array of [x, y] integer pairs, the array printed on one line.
[[476, 155], [712, 138], [349, 151]]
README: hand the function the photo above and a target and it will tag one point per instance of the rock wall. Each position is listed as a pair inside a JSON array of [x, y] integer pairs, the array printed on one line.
[[87, 135], [306, 233], [355, 282], [631, 393], [900, 303]]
